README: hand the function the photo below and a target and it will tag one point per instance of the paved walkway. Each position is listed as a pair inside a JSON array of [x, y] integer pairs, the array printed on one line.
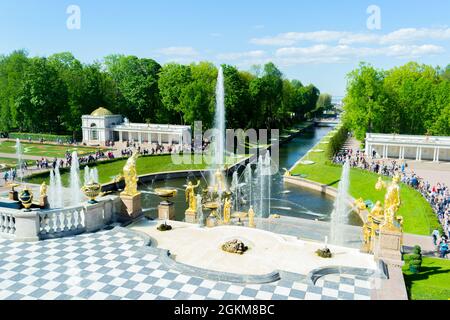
[[117, 264]]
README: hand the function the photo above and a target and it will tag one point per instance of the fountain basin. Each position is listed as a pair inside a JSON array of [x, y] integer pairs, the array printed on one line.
[[268, 252]]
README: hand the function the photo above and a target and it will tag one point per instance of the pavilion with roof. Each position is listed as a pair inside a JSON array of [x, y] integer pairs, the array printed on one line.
[[103, 126]]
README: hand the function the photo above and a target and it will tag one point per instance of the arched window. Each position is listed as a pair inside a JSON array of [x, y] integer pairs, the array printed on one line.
[[94, 132]]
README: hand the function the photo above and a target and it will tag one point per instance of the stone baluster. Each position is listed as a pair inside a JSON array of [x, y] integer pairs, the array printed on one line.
[[2, 223], [65, 221], [73, 226]]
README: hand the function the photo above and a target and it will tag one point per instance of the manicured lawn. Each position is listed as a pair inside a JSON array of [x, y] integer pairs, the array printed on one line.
[[44, 150], [10, 162], [145, 165], [433, 281], [418, 215]]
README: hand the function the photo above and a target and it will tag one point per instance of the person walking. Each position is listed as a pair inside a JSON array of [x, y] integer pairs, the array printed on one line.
[[443, 248], [435, 234]]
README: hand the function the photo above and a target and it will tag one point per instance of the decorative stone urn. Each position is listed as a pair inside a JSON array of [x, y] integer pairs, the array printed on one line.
[[92, 191], [26, 198], [166, 209]]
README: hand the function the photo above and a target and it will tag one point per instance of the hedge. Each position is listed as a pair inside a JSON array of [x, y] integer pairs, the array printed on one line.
[[337, 141]]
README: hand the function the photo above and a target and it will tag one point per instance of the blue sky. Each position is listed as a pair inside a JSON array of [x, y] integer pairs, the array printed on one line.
[[315, 41]]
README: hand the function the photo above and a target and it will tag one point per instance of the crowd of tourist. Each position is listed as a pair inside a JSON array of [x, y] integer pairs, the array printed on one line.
[[437, 195]]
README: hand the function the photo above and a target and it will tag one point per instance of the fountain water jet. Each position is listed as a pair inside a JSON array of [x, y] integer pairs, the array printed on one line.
[[339, 216], [19, 160], [219, 123], [75, 185], [59, 198]]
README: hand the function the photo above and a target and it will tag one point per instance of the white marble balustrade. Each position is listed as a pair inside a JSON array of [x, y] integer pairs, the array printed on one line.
[[62, 221], [7, 223]]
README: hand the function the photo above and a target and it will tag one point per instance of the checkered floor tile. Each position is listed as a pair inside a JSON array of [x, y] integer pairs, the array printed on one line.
[[114, 265]]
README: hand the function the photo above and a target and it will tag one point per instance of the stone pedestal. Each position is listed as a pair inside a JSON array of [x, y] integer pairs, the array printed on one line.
[[27, 226], [94, 217], [166, 211], [131, 205], [14, 196], [388, 245], [190, 216]]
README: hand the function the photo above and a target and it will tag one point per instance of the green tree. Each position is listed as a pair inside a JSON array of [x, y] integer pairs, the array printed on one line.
[[42, 99], [173, 79], [12, 73], [137, 82]]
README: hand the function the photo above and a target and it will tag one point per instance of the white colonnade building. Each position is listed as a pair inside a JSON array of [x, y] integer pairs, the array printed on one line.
[[396, 146], [102, 126]]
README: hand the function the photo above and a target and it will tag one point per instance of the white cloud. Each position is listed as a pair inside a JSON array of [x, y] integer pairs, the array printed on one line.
[[178, 51], [342, 53], [405, 35], [291, 38], [242, 55]]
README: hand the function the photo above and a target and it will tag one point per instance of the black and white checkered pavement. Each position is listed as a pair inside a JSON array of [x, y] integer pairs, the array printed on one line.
[[115, 264]]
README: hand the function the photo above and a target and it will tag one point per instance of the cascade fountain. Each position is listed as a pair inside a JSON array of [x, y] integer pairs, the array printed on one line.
[[75, 185], [19, 160], [339, 216]]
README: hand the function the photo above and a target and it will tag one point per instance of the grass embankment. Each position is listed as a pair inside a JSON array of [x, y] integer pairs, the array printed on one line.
[[418, 215], [108, 170], [44, 150], [432, 283], [10, 163]]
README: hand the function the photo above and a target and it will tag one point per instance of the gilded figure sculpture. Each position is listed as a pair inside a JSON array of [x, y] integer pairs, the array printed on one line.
[[130, 176], [227, 211], [220, 183], [191, 199], [377, 211], [251, 218], [43, 190]]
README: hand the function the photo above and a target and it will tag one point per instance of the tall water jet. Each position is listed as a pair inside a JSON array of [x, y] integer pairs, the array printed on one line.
[[87, 175], [235, 190], [249, 184], [19, 152], [59, 195], [94, 175], [339, 216], [76, 195], [52, 190], [219, 123], [200, 216]]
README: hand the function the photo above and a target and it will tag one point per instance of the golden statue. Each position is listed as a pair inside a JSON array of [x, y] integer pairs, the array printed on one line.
[[377, 211], [43, 189], [191, 199], [251, 218], [219, 181], [130, 176], [380, 184], [360, 204], [227, 211], [392, 198]]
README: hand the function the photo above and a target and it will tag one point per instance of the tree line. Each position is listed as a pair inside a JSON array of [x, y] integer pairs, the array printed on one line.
[[50, 94], [410, 99]]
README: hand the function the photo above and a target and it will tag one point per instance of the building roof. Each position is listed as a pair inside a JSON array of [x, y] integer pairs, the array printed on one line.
[[100, 112]]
